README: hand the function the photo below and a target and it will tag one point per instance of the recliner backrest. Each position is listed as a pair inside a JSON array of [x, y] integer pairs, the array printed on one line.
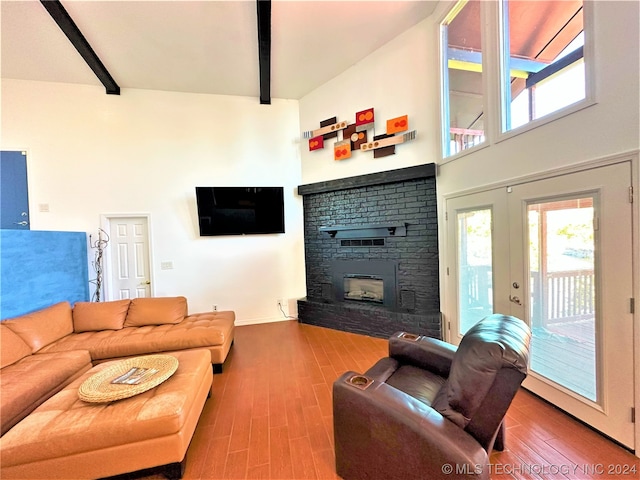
[[487, 370]]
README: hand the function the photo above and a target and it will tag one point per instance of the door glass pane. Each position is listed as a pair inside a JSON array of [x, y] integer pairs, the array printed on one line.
[[563, 300], [475, 267]]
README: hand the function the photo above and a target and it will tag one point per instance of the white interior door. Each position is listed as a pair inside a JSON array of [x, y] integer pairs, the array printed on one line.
[[129, 258], [561, 260]]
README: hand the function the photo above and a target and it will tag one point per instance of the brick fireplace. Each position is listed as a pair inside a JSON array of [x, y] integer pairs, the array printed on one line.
[[371, 253]]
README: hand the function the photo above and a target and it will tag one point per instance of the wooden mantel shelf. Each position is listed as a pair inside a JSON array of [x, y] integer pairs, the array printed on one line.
[[369, 230]]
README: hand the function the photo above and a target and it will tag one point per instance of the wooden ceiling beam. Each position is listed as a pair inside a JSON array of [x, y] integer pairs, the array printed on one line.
[[264, 49], [73, 33]]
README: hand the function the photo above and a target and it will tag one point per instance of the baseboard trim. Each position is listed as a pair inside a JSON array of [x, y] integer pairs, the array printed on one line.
[[256, 321]]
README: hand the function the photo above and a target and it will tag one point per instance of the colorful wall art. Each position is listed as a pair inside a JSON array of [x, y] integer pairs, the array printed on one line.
[[355, 135]]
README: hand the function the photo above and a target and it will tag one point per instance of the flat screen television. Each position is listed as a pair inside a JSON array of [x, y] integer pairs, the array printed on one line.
[[240, 210]]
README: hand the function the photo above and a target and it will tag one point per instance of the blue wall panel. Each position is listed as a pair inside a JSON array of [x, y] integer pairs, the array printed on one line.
[[38, 269]]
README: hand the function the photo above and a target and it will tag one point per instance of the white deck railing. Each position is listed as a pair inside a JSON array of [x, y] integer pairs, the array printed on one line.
[[463, 138]]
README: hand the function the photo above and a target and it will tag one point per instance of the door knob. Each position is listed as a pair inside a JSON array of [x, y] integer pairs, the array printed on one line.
[[515, 300]]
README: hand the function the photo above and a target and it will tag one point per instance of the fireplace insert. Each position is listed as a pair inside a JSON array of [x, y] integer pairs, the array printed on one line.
[[367, 281], [364, 288]]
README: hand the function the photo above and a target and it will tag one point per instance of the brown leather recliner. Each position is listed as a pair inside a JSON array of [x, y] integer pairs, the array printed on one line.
[[430, 410]]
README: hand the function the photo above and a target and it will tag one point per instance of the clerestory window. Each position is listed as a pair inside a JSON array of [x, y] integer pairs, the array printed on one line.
[[540, 67], [463, 100], [543, 70]]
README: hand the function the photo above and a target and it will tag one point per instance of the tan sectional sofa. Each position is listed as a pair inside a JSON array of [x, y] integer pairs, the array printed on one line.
[[43, 352], [66, 438]]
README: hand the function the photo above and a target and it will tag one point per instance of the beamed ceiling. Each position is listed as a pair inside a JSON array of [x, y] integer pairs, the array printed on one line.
[[213, 47]]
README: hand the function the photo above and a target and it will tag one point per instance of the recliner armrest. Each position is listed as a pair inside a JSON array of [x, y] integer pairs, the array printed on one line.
[[382, 369], [424, 352], [399, 437]]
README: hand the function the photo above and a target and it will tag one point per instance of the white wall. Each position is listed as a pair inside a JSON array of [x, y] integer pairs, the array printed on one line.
[[398, 79], [403, 78], [144, 152]]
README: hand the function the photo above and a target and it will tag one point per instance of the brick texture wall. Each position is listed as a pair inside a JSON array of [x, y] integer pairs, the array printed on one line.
[[409, 200]]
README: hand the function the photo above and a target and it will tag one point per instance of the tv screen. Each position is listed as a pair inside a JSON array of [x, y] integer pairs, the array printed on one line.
[[240, 210]]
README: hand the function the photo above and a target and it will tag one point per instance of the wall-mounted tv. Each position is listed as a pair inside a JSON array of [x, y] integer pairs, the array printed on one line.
[[240, 210]]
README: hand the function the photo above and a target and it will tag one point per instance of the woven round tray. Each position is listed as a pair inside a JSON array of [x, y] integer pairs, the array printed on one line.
[[99, 387]]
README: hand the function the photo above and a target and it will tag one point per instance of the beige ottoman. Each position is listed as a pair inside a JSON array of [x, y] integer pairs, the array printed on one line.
[[68, 438]]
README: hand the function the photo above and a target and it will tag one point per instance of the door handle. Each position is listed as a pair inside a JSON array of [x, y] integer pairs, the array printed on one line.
[[515, 300], [148, 282], [22, 223]]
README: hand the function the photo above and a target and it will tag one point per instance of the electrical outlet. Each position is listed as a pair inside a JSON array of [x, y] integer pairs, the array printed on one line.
[[214, 307]]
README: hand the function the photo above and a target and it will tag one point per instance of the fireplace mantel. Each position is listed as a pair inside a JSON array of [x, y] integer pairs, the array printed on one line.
[[369, 230]]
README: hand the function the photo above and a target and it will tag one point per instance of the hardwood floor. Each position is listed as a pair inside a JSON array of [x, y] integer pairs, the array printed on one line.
[[270, 416]]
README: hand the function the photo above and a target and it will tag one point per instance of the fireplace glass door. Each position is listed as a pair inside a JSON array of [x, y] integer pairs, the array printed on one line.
[[364, 288]]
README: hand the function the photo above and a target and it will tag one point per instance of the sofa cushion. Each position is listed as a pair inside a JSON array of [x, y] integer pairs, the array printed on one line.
[[92, 316], [156, 311], [32, 380], [196, 331], [40, 328], [12, 347]]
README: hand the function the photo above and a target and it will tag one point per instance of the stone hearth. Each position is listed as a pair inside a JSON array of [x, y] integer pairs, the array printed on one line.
[[379, 233]]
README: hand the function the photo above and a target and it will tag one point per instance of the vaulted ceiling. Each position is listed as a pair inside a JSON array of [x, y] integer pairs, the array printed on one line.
[[202, 46]]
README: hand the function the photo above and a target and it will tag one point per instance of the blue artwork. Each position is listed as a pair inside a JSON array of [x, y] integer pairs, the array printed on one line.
[[38, 269]]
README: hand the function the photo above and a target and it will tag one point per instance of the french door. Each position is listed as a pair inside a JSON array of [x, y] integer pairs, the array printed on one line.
[[556, 253]]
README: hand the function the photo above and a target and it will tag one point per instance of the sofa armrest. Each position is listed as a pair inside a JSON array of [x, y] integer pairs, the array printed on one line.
[[424, 352], [381, 429]]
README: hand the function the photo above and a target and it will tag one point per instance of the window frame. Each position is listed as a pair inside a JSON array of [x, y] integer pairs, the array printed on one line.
[[493, 74], [445, 119], [504, 77]]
